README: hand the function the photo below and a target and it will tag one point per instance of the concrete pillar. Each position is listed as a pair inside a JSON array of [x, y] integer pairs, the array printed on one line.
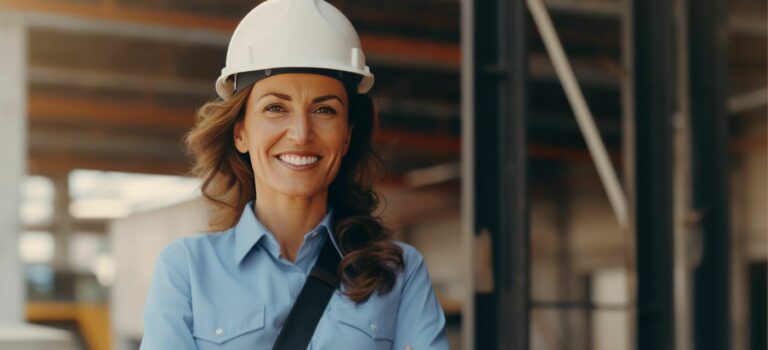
[[13, 103]]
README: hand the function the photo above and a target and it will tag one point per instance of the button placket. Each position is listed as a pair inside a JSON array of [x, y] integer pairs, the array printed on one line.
[[297, 282]]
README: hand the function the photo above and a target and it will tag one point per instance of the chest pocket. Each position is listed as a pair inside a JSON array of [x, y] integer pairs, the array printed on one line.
[[370, 325], [222, 328]]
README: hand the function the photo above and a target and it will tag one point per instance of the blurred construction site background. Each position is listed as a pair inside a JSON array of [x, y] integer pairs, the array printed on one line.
[[579, 174]]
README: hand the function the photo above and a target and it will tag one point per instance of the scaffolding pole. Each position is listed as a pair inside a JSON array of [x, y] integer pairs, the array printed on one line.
[[582, 112]]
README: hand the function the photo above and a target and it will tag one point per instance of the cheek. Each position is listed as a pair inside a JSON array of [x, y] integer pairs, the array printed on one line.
[[338, 136], [261, 136], [338, 147]]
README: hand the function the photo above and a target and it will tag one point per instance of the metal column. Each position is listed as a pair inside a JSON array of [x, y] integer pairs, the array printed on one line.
[[500, 55], [468, 172], [683, 276], [708, 41], [654, 106], [13, 124]]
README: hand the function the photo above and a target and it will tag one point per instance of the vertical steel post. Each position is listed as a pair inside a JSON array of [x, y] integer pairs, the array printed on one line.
[[683, 278], [468, 171], [628, 153], [708, 42], [654, 105], [500, 54]]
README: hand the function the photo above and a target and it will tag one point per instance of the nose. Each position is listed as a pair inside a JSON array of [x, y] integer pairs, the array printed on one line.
[[300, 130]]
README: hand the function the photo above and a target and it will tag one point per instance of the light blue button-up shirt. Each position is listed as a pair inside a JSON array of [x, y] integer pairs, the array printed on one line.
[[233, 290]]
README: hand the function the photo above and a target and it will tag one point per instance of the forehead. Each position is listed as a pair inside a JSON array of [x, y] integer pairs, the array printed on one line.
[[299, 83]]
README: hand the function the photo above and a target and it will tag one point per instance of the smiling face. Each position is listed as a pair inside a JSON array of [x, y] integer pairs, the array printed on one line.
[[296, 132]]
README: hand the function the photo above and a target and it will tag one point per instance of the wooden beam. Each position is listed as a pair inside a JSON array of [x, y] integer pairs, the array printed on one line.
[[749, 144], [55, 163], [447, 145], [443, 144], [115, 143], [122, 14], [49, 108], [377, 47], [567, 154], [100, 80], [107, 4], [408, 51]]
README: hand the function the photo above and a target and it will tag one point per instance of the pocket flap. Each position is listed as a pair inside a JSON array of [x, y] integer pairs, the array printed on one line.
[[372, 319], [228, 326]]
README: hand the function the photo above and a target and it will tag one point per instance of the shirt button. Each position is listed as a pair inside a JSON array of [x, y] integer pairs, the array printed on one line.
[[374, 328], [219, 331]]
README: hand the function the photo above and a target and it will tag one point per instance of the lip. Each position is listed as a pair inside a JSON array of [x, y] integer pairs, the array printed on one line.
[[299, 153]]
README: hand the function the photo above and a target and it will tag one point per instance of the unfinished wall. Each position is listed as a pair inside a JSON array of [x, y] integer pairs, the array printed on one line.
[[136, 242]]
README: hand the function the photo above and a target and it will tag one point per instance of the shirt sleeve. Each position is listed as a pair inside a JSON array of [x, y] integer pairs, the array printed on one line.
[[168, 312], [420, 319]]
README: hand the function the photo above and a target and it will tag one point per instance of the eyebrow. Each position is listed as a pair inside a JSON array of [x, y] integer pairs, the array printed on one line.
[[315, 100]]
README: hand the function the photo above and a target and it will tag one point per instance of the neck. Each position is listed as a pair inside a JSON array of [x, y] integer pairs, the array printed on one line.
[[290, 217]]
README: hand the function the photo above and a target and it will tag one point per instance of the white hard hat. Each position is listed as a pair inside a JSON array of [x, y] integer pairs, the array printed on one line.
[[279, 34]]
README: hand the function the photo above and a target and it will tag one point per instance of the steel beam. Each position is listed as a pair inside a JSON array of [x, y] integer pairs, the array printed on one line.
[[628, 152], [654, 90], [468, 313], [683, 278], [500, 155], [752, 24], [708, 45], [583, 114], [586, 8]]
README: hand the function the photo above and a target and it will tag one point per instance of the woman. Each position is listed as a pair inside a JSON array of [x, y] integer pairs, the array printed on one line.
[[286, 157]]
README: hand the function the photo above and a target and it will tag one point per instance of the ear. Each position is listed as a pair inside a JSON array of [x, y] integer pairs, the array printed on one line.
[[348, 140], [240, 137]]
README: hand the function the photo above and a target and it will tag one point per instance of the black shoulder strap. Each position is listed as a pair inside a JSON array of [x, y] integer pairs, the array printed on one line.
[[312, 300]]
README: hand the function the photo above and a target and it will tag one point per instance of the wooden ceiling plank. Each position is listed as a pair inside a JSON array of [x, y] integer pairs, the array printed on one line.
[[123, 14], [185, 27], [46, 108], [59, 76], [45, 163]]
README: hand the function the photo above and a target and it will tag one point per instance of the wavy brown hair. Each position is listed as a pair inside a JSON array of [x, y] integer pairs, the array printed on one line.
[[371, 260]]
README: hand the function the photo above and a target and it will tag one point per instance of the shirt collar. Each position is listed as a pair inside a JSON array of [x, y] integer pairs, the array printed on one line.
[[249, 231]]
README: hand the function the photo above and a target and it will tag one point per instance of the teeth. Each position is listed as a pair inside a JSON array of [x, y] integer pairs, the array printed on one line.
[[298, 160]]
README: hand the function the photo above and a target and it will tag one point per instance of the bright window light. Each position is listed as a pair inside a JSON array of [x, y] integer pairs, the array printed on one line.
[[99, 208], [36, 201], [36, 247], [107, 195]]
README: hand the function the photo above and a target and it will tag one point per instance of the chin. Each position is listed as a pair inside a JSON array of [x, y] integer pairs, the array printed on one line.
[[301, 191]]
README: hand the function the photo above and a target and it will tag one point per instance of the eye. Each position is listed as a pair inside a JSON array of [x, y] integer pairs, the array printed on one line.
[[326, 110], [274, 108]]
